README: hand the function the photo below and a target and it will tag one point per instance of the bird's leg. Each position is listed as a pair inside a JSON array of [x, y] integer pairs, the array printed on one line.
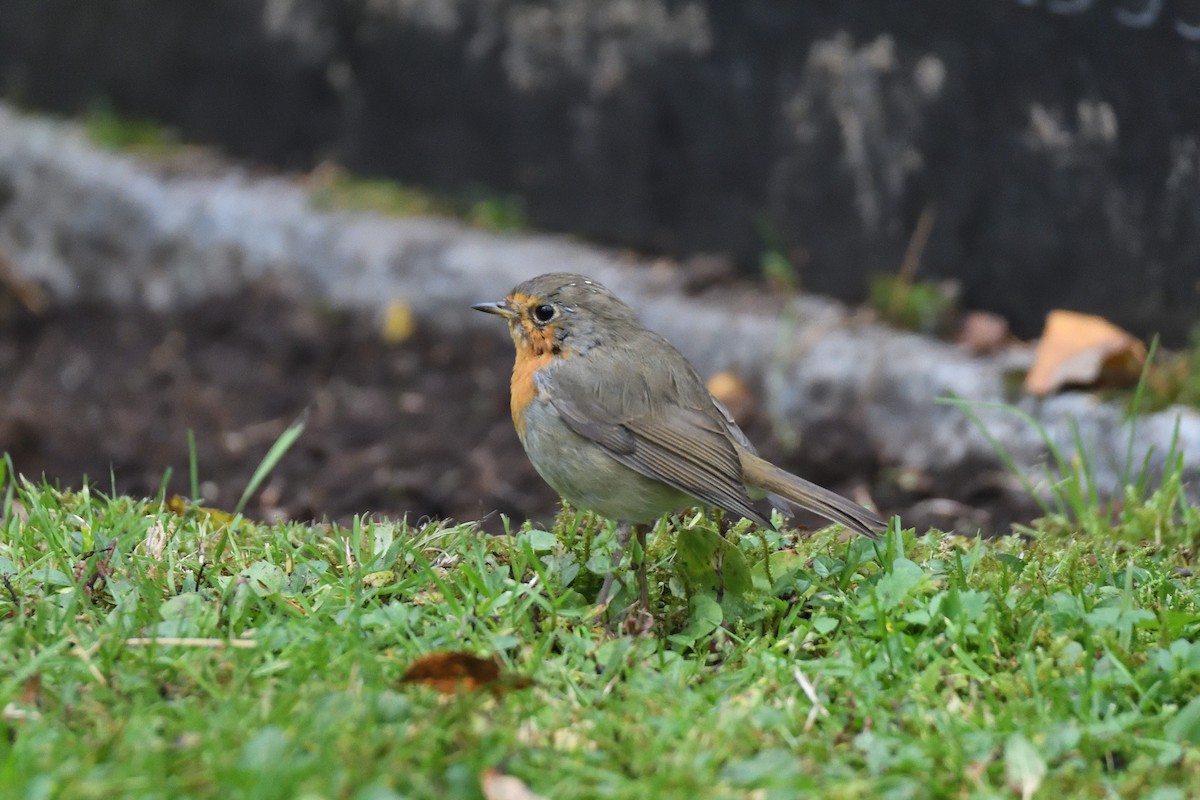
[[623, 532], [643, 586], [640, 621]]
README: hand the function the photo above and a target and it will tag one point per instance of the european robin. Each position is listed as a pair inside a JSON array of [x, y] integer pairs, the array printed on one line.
[[618, 422]]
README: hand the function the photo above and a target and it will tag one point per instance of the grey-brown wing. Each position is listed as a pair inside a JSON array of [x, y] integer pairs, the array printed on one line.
[[682, 445], [690, 452]]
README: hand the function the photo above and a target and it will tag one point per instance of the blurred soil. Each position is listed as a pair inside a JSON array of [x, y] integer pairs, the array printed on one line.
[[420, 428]]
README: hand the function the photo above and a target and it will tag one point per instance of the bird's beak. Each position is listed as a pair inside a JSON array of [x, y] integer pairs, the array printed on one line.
[[501, 309]]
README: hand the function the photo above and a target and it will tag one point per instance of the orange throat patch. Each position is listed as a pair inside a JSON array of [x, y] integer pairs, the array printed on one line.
[[536, 347]]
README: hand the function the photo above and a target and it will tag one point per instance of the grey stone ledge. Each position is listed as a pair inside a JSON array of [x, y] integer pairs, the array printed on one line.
[[97, 225]]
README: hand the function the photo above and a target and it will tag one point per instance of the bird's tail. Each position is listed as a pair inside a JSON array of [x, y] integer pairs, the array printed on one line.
[[762, 474]]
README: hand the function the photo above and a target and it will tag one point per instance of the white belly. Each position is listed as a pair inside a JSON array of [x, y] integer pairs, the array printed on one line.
[[588, 477]]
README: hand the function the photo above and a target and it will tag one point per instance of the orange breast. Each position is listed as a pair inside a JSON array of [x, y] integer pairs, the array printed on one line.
[[523, 389]]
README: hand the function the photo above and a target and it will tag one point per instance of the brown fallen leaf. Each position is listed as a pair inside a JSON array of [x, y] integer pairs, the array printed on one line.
[[1084, 350], [498, 786], [453, 671]]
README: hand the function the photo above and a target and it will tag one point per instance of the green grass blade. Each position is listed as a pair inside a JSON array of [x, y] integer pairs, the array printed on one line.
[[1135, 408], [968, 408], [277, 451], [193, 467]]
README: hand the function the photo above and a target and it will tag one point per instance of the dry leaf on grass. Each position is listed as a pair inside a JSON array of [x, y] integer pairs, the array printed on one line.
[[179, 506], [1084, 350], [453, 671], [498, 786]]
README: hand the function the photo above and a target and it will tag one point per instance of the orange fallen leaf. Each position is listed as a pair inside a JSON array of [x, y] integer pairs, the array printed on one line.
[[1084, 350], [498, 786], [453, 671]]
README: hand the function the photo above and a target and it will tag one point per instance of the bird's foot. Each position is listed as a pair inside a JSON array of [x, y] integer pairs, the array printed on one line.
[[638, 622]]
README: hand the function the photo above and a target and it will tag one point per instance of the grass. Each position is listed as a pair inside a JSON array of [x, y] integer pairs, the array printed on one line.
[[108, 129], [924, 306], [902, 300], [335, 189], [1148, 500], [332, 187], [138, 663], [1174, 377]]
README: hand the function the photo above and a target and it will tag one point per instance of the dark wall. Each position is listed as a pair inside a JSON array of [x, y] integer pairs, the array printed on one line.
[[1056, 142]]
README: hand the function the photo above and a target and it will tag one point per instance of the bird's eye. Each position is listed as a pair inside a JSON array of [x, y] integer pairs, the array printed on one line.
[[544, 313]]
